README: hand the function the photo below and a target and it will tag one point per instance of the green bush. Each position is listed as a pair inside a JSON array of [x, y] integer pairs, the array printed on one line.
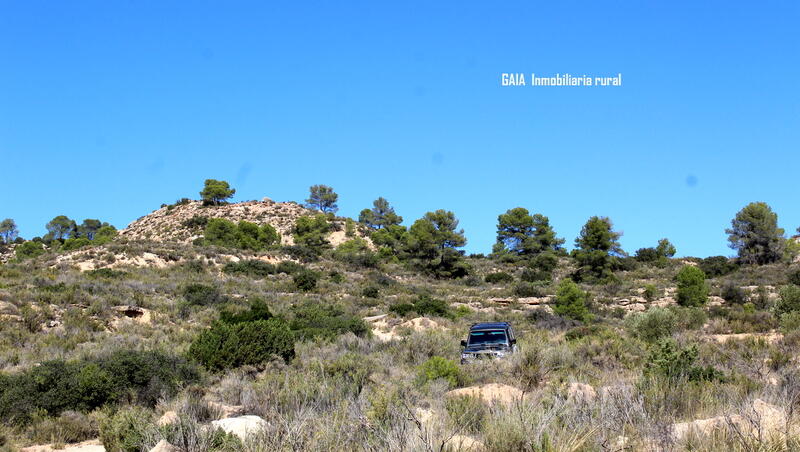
[[529, 289], [794, 277], [790, 322], [467, 413], [424, 305], [789, 300], [106, 273], [75, 243], [437, 367], [312, 321], [305, 280], [498, 278], [68, 427], [244, 235], [357, 253], [194, 266], [302, 253], [370, 292], [289, 267], [29, 250], [672, 362], [545, 262], [535, 275], [745, 318], [733, 294], [647, 255], [571, 301], [402, 309], [716, 266], [692, 288], [220, 232], [650, 292], [652, 325], [202, 295], [353, 369], [761, 297], [250, 267], [186, 434], [258, 311], [689, 318], [142, 377], [336, 277], [427, 305], [196, 222], [127, 430], [231, 345], [311, 231]]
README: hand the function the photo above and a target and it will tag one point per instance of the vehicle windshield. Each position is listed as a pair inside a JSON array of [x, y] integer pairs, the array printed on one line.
[[487, 337]]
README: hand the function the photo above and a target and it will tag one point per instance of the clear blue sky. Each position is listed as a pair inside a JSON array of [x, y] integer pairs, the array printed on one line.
[[109, 109]]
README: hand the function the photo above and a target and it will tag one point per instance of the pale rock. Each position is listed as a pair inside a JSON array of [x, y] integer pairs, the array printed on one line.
[[706, 427], [169, 417], [465, 443], [581, 393], [420, 324], [490, 393], [86, 446], [241, 426], [164, 446]]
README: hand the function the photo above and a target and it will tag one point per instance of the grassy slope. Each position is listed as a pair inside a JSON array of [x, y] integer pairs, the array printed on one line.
[[360, 393]]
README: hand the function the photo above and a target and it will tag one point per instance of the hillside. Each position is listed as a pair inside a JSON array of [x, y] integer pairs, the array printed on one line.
[[167, 224], [165, 341]]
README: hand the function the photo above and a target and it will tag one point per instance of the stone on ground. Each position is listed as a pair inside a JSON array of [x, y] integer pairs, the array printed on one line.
[[241, 426], [490, 393]]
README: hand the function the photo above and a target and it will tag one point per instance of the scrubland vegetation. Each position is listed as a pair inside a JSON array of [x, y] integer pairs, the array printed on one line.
[[324, 342]]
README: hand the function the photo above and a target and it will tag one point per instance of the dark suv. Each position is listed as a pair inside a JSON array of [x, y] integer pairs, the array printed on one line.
[[488, 340]]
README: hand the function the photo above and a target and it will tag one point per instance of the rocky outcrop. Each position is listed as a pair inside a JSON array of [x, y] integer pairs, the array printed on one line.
[[385, 330], [86, 446], [167, 223], [464, 443], [419, 324], [241, 426], [769, 338], [490, 393], [761, 420], [581, 393], [164, 446], [169, 417]]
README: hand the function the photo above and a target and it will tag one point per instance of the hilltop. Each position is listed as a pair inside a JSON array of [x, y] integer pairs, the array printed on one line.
[[168, 224]]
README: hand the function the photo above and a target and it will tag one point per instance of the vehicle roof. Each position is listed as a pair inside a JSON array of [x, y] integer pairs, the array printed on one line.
[[490, 325]]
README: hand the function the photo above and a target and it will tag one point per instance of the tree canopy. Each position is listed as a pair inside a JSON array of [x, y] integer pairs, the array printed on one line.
[[692, 288], [90, 227], [432, 241], [311, 231], [216, 192], [322, 198], [61, 227], [596, 249], [523, 234], [381, 215], [244, 235], [8, 231], [755, 234], [658, 255]]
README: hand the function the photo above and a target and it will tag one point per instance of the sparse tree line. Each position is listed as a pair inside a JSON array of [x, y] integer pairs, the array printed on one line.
[[434, 242], [63, 234]]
